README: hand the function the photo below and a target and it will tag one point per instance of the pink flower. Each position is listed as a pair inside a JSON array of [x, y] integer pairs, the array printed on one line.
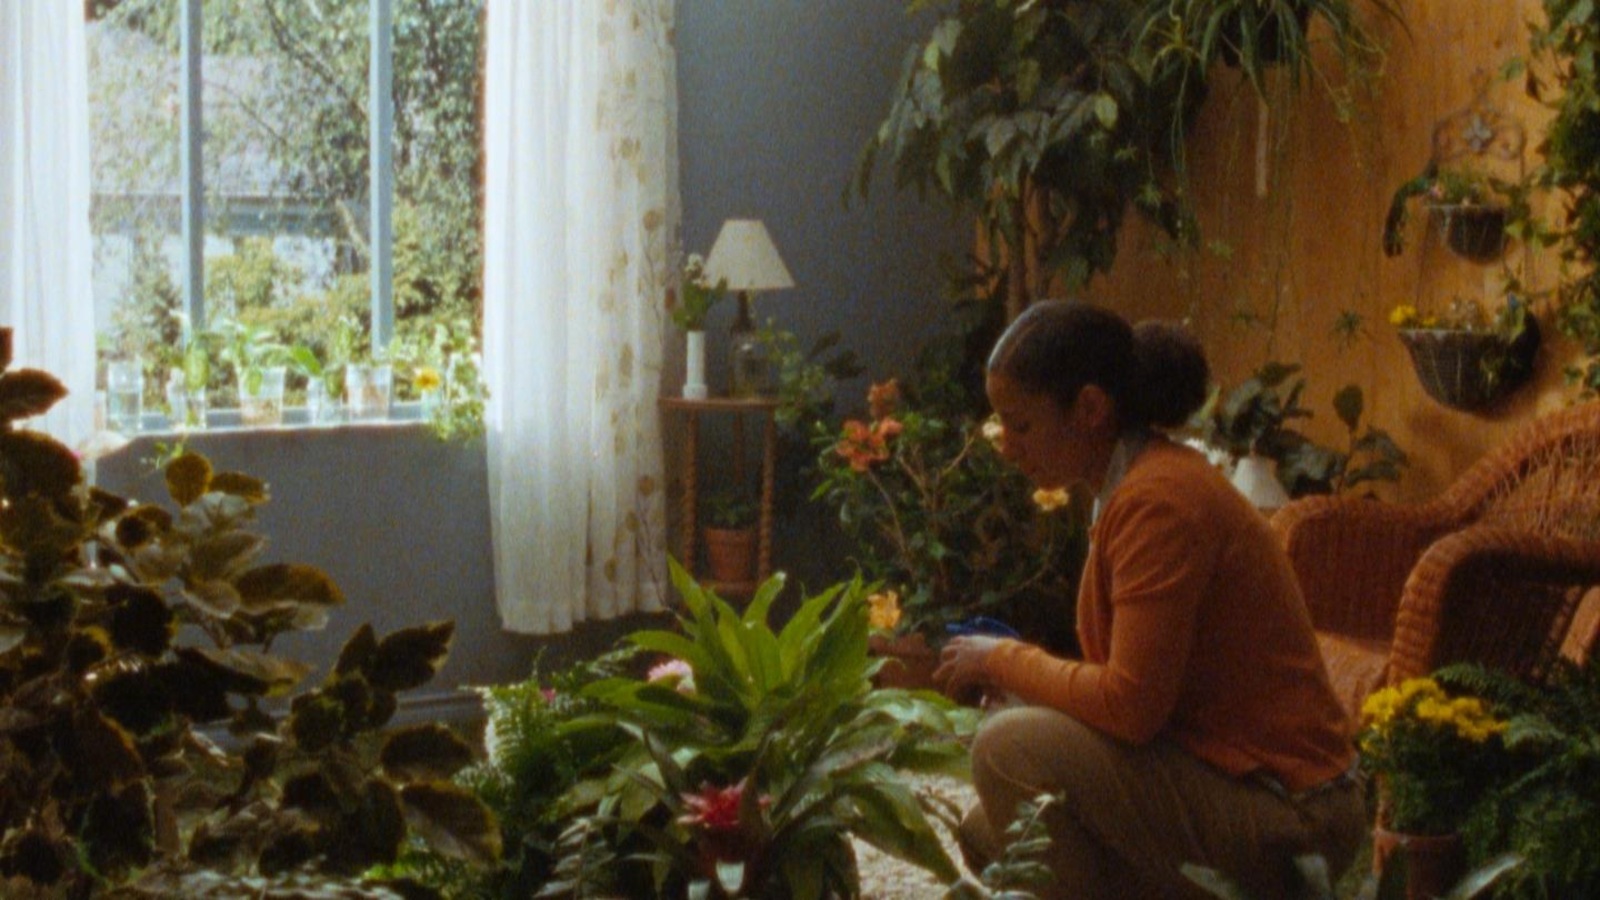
[[715, 809], [675, 670]]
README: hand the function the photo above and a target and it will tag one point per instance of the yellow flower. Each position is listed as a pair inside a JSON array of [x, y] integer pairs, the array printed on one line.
[[1404, 316], [883, 610], [1050, 499], [428, 379]]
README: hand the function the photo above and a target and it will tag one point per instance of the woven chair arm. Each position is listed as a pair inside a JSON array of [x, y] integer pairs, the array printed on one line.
[[1494, 595], [1352, 557]]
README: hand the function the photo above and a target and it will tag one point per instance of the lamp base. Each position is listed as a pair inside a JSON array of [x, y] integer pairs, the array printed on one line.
[[749, 370]]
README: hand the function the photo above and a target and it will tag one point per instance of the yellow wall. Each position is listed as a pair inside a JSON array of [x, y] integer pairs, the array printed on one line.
[[1310, 249]]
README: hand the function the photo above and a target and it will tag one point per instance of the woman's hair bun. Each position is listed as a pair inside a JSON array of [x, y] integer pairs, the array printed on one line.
[[1171, 377]]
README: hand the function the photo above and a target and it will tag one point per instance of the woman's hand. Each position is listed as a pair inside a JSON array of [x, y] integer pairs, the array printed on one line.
[[960, 671]]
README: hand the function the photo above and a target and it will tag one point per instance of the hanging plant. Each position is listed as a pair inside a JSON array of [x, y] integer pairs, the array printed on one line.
[[1256, 36]]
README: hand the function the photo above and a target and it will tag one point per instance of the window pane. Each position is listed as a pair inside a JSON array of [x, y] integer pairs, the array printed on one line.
[[438, 153], [286, 180], [286, 175], [136, 217]]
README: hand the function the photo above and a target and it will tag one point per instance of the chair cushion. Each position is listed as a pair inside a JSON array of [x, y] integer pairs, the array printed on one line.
[[1356, 666]]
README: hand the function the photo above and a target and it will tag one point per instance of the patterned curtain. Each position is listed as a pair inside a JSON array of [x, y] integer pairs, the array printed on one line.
[[582, 214]]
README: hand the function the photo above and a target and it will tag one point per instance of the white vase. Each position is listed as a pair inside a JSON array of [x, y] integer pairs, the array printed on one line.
[[694, 380], [1256, 477]]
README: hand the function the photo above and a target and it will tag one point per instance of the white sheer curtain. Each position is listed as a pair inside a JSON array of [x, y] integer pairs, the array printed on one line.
[[45, 249], [582, 215]]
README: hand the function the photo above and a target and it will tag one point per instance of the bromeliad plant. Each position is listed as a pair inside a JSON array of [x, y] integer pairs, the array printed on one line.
[[946, 523], [741, 767], [123, 627]]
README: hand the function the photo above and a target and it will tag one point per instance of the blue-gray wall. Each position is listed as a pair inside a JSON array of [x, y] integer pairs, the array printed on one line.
[[776, 98]]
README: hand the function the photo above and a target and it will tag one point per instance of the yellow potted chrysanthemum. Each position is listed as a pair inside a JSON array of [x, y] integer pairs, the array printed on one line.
[[1433, 754]]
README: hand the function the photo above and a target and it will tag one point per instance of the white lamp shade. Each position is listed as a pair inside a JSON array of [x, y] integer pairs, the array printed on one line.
[[745, 259]]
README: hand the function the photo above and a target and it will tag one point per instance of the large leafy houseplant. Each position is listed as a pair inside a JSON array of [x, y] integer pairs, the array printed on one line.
[[1253, 417], [1044, 118], [1051, 119], [740, 767], [123, 627]]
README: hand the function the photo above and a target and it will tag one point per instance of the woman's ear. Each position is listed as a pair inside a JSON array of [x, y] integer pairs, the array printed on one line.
[[1094, 412]]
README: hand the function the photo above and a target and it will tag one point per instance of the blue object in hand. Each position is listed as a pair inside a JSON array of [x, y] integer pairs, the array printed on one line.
[[982, 625]]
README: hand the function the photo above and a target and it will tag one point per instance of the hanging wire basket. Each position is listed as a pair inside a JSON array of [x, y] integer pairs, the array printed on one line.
[[1470, 370], [1474, 232]]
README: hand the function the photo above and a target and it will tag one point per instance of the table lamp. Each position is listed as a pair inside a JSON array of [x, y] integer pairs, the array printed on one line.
[[744, 260]]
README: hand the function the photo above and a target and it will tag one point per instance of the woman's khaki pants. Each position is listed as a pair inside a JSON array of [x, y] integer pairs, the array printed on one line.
[[1129, 816]]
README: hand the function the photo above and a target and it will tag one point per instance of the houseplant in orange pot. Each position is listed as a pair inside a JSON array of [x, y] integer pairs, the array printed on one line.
[[730, 536], [1434, 754]]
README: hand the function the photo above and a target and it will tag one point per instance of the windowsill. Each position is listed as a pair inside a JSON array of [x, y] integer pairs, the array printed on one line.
[[295, 418]]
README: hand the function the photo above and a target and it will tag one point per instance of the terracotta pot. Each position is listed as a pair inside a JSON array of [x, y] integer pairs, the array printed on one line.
[[1435, 863], [731, 554], [908, 661]]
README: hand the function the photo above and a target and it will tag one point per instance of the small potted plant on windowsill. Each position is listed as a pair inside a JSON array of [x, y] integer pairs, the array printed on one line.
[[730, 536]]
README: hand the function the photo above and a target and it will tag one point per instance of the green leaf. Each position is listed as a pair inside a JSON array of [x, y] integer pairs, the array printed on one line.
[[1349, 404], [424, 752], [35, 463], [410, 657], [358, 651], [269, 585], [242, 670], [452, 820], [1105, 110], [240, 485], [892, 821], [25, 393], [187, 478], [221, 556]]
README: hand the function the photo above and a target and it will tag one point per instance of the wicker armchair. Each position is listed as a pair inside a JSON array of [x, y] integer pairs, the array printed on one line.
[[1494, 570]]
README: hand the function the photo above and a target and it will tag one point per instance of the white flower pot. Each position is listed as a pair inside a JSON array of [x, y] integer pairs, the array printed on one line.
[[694, 381], [1256, 477]]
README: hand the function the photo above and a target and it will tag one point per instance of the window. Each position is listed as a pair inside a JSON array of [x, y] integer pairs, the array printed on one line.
[[285, 174]]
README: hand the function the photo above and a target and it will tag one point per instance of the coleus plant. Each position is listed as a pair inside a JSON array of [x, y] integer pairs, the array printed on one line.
[[123, 627]]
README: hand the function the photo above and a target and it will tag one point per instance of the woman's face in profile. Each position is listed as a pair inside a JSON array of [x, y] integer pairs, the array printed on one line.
[[1052, 446]]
